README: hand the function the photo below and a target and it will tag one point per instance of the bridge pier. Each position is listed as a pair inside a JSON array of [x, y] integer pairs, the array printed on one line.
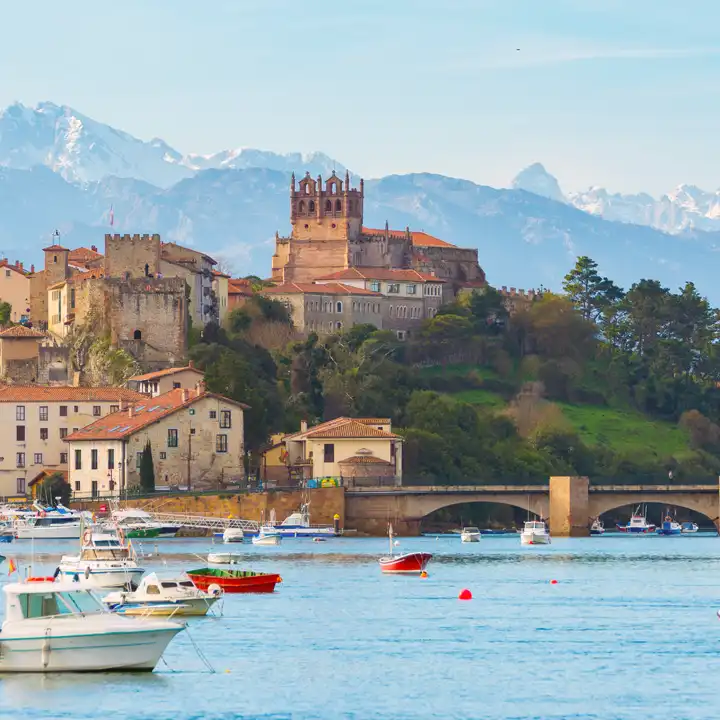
[[569, 502]]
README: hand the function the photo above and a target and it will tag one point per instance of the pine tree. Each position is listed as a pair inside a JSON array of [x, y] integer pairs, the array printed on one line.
[[590, 293], [147, 470]]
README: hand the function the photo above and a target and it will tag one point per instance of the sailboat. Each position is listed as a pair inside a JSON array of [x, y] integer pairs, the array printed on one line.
[[412, 563]]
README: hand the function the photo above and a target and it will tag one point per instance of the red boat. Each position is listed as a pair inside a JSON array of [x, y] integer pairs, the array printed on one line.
[[235, 581], [412, 563]]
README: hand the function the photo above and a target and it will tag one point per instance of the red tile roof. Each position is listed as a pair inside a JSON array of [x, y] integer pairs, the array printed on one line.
[[293, 288], [344, 427], [20, 331], [66, 393], [142, 414], [419, 239], [163, 373], [370, 273], [16, 267], [83, 254], [55, 247], [239, 287], [364, 460]]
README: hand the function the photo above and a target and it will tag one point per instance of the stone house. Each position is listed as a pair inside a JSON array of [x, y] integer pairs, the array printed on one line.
[[239, 292], [38, 419], [19, 353], [15, 289], [196, 437], [162, 381], [362, 450]]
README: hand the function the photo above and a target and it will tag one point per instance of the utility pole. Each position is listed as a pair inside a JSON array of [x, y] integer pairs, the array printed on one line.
[[189, 460]]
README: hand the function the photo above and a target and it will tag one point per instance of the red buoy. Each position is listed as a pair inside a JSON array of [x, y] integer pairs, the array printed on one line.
[[553, 582], [465, 595]]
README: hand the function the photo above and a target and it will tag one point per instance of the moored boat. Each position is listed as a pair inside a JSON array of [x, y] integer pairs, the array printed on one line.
[[689, 527], [470, 534], [62, 627], [234, 581], [535, 532], [638, 524], [669, 527], [270, 538], [164, 596], [597, 527], [132, 520], [410, 563], [224, 558], [298, 525], [233, 535]]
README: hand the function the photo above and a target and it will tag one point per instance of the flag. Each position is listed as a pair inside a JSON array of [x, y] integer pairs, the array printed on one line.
[[112, 216], [12, 566]]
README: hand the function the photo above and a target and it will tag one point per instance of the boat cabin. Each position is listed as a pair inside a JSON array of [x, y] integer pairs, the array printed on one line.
[[29, 600], [104, 547], [535, 525]]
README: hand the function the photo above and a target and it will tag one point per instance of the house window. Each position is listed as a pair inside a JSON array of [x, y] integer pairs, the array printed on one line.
[[225, 418], [20, 486], [111, 459], [338, 206], [20, 433], [411, 289], [96, 411], [44, 432], [72, 298], [221, 444], [76, 408], [338, 326], [20, 460], [192, 431], [176, 386], [375, 286], [311, 207], [137, 335], [20, 412], [329, 452], [78, 459], [172, 438], [393, 287], [63, 433], [93, 459], [114, 408], [63, 411], [7, 273], [77, 486], [213, 414], [43, 413], [63, 458], [338, 307], [163, 455], [37, 459], [392, 449], [328, 206], [400, 334]]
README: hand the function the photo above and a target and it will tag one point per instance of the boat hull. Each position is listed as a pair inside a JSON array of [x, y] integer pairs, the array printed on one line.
[[58, 532], [102, 577], [115, 650], [534, 539], [194, 607], [235, 581], [267, 540], [649, 529], [408, 564]]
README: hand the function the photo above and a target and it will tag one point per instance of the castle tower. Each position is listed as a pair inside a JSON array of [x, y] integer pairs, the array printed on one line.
[[56, 261], [332, 212]]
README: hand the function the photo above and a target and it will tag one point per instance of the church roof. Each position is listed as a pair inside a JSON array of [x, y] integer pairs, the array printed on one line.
[[419, 239], [291, 288], [372, 273]]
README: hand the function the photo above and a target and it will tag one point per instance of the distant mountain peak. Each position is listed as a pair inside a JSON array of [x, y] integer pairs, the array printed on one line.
[[536, 179]]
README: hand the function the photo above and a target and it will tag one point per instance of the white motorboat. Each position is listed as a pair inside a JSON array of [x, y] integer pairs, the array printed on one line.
[[161, 596], [597, 527], [298, 525], [58, 523], [224, 558], [62, 627], [134, 519], [638, 524], [105, 561], [233, 535], [535, 532], [689, 527], [269, 538], [470, 534]]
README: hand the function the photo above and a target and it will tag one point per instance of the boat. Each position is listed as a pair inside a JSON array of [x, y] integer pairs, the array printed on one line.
[[58, 523], [638, 524], [105, 561], [270, 538], [597, 527], [133, 519], [470, 534], [669, 527], [232, 535], [411, 563], [6, 536], [234, 581], [142, 533], [298, 525], [535, 532], [161, 596], [689, 527], [62, 627], [224, 558]]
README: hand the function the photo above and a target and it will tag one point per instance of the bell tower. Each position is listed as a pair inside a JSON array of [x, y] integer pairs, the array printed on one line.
[[332, 212]]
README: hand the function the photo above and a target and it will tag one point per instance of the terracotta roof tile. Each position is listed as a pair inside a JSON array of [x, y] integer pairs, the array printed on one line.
[[83, 254], [344, 427], [163, 373], [293, 288], [369, 273], [55, 247], [20, 331], [16, 268], [364, 460], [65, 393], [419, 239], [124, 422]]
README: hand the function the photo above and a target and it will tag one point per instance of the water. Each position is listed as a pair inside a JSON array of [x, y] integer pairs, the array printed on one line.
[[630, 628]]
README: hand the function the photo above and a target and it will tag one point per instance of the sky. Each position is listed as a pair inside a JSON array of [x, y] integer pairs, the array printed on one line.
[[617, 93]]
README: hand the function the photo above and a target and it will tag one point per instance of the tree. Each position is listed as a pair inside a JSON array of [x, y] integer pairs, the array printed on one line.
[[5, 312], [147, 470], [55, 486], [588, 291]]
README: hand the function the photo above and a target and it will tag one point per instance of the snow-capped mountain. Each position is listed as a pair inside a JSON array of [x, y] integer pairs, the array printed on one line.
[[536, 179], [84, 150]]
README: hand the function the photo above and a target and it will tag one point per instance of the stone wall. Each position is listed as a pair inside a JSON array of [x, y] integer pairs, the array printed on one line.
[[20, 372], [130, 254], [310, 259], [53, 365]]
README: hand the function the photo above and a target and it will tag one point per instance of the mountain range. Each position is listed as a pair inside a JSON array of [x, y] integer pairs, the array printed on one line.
[[61, 169]]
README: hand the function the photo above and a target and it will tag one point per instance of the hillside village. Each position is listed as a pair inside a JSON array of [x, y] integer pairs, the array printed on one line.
[[94, 353]]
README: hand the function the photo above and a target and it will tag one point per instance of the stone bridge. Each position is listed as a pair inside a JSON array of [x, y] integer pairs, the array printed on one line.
[[568, 503]]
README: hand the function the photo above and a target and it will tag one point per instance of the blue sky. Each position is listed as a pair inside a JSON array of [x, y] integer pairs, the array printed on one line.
[[619, 93]]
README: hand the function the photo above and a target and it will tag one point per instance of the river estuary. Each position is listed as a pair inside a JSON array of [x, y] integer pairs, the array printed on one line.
[[630, 630]]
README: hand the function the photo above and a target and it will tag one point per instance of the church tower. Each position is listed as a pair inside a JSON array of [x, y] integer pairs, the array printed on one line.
[[334, 212]]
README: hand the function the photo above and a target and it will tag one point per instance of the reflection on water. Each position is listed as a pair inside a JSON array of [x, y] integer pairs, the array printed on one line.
[[629, 628]]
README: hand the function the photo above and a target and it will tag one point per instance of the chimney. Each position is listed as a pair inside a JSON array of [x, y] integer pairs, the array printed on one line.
[[130, 411], [185, 395], [32, 268], [303, 426], [191, 364], [93, 248], [200, 387]]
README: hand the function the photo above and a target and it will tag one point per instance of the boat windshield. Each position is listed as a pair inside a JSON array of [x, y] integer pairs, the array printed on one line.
[[104, 554], [471, 530], [534, 525], [51, 604]]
